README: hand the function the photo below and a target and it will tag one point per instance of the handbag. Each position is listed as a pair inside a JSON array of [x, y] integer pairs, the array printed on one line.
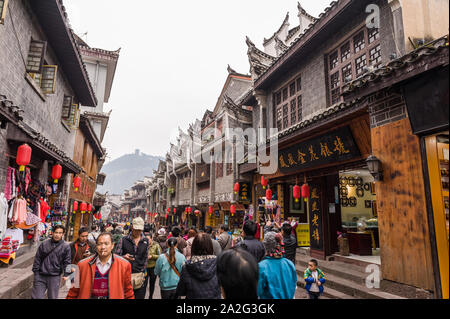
[[137, 280]]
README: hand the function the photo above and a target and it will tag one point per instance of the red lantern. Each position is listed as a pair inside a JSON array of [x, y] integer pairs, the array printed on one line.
[[77, 183], [89, 208], [296, 193], [56, 173], [197, 212], [236, 188], [165, 216], [233, 210], [174, 210], [269, 194], [83, 207], [210, 210], [23, 156], [305, 191], [186, 210], [263, 182], [189, 210], [168, 209], [75, 206]]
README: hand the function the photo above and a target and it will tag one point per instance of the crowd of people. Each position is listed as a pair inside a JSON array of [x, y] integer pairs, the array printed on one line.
[[111, 262]]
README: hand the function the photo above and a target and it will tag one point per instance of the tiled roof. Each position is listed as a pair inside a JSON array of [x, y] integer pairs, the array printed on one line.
[[285, 21], [7, 107], [403, 62]]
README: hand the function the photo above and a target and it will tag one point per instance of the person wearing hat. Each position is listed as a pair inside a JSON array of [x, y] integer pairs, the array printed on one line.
[[277, 275], [161, 239], [134, 248]]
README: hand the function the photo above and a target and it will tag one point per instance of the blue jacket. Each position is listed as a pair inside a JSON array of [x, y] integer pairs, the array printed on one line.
[[309, 279], [168, 279], [277, 279]]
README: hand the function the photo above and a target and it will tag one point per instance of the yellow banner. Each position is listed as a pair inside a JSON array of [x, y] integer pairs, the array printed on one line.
[[303, 235]]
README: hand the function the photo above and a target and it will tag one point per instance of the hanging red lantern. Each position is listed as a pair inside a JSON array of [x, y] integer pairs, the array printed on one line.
[[236, 188], [56, 173], [269, 194], [75, 207], [189, 210], [174, 210], [297, 193], [263, 182], [23, 156], [83, 207], [166, 216], [305, 191], [89, 208], [186, 210], [77, 183], [233, 210], [210, 210], [168, 209]]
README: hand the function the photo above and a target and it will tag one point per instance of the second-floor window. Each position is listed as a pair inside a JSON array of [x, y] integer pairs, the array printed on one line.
[[350, 59], [288, 105], [70, 111], [43, 74]]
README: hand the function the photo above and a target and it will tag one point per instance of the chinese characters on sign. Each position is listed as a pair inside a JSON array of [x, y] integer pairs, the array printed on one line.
[[335, 146], [315, 214], [245, 193]]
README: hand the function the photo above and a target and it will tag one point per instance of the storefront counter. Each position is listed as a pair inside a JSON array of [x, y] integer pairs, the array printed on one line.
[[360, 243]]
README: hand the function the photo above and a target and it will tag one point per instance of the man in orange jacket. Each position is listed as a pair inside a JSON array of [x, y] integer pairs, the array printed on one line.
[[103, 276]]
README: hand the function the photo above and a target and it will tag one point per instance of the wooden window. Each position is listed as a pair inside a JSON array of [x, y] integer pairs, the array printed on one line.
[[48, 78], [36, 56], [287, 114], [351, 58], [294, 111], [299, 109], [67, 107], [375, 56], [360, 63], [3, 8]]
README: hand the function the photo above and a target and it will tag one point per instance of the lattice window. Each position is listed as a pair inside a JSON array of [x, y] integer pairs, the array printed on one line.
[[334, 60], [286, 113], [293, 112], [67, 107], [353, 52], [375, 55], [347, 75], [345, 52], [360, 63], [299, 108], [359, 42], [36, 56], [292, 89], [373, 34]]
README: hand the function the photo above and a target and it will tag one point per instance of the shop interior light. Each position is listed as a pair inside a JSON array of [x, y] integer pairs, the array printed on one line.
[[375, 168]]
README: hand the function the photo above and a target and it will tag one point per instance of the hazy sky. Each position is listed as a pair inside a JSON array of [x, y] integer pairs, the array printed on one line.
[[173, 62]]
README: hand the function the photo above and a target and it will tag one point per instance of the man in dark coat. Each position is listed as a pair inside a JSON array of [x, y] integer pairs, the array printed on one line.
[[80, 248], [290, 242], [51, 260], [250, 243]]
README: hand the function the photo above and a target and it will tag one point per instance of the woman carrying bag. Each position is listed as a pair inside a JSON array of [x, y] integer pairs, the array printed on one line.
[[168, 268]]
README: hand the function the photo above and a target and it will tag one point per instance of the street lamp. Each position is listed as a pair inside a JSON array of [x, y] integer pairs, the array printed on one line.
[[375, 168]]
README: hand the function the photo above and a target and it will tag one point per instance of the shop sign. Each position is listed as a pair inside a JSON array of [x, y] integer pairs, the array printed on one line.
[[336, 146], [245, 193], [315, 216], [303, 236]]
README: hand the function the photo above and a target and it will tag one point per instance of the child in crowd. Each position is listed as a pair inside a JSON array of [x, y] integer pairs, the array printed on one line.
[[314, 278]]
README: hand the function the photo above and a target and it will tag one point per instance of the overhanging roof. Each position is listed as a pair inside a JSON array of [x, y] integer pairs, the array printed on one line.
[[52, 17], [86, 128]]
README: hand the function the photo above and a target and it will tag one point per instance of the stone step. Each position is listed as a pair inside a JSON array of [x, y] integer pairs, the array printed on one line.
[[16, 283], [351, 288], [329, 293]]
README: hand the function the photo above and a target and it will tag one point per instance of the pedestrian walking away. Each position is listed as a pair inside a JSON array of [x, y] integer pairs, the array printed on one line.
[[314, 279], [134, 248], [237, 273], [153, 255], [224, 238], [191, 235], [290, 241], [168, 268], [198, 278], [161, 239], [104, 275], [216, 245], [277, 275], [250, 243], [51, 260], [176, 233]]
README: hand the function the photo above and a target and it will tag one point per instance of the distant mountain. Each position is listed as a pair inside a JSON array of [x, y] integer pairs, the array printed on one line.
[[122, 172]]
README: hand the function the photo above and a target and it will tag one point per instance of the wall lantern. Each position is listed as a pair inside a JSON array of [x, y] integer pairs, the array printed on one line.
[[23, 156], [263, 182], [233, 210], [210, 210], [77, 183], [56, 173], [75, 207], [236, 188], [89, 208], [269, 194], [375, 168], [83, 207], [297, 193]]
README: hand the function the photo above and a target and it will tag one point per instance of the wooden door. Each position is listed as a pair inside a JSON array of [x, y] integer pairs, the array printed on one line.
[[333, 219]]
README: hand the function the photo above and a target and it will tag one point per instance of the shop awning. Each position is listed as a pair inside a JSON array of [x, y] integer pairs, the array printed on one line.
[[225, 206], [240, 207]]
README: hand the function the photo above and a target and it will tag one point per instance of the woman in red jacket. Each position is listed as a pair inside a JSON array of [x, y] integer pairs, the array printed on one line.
[[103, 276]]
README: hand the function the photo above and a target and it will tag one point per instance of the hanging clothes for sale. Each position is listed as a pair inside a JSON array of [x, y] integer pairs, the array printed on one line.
[[44, 208], [3, 215], [15, 234], [20, 211], [10, 184]]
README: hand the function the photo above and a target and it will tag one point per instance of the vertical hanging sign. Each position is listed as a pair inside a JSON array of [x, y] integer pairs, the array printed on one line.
[[315, 216]]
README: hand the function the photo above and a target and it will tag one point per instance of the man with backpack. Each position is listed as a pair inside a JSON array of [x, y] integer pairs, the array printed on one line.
[[51, 260]]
